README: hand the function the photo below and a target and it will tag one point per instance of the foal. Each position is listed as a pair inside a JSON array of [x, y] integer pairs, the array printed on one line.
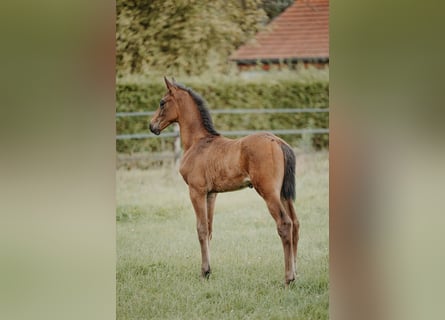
[[212, 163]]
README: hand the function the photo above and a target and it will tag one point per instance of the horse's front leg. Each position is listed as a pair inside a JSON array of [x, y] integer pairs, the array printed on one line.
[[199, 201], [211, 197]]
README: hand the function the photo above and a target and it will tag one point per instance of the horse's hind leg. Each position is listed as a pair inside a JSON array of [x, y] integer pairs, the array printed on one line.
[[285, 231], [289, 205]]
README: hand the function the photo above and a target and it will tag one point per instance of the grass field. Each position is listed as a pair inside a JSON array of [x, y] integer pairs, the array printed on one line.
[[158, 255]]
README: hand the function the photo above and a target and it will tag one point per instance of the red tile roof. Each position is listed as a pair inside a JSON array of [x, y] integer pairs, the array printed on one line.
[[300, 32]]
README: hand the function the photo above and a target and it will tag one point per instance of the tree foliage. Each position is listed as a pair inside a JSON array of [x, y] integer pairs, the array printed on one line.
[[182, 36], [274, 7]]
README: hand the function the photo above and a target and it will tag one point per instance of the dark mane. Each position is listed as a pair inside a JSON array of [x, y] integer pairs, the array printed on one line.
[[202, 108]]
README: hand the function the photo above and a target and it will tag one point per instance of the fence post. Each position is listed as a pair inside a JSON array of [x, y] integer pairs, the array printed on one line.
[[177, 145]]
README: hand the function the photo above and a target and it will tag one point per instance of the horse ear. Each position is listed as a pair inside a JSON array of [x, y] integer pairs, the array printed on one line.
[[169, 85]]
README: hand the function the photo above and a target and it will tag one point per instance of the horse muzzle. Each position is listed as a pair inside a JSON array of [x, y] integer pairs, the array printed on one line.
[[154, 129]]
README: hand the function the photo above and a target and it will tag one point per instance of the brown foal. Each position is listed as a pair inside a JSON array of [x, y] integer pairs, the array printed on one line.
[[212, 163]]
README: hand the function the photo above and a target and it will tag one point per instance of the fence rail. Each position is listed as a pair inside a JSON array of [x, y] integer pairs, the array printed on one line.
[[232, 111], [224, 133], [228, 133], [175, 155]]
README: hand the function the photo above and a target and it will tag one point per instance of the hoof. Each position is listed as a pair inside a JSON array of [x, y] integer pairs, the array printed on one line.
[[289, 282], [206, 273]]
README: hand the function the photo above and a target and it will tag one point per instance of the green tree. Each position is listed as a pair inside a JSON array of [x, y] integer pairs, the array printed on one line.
[[182, 36], [274, 7]]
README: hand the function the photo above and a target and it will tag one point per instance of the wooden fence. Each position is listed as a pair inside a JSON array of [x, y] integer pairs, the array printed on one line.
[[175, 155]]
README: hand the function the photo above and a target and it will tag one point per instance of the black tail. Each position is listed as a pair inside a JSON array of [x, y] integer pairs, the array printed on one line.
[[288, 187]]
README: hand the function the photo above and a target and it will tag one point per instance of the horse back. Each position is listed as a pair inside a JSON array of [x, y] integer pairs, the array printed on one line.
[[220, 164]]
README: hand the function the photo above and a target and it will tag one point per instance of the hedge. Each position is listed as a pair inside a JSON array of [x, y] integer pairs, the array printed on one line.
[[241, 94]]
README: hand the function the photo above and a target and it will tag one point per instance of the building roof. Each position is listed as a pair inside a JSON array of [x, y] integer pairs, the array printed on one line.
[[300, 32]]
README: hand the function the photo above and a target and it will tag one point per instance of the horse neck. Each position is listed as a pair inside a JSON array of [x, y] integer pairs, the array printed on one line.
[[190, 125]]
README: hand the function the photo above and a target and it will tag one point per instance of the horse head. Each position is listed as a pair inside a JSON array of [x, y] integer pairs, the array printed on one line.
[[167, 113]]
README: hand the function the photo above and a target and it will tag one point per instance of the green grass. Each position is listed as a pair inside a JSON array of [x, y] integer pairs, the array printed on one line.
[[158, 255]]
